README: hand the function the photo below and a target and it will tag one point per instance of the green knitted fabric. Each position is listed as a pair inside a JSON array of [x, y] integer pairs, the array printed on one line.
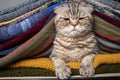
[[111, 68], [20, 72]]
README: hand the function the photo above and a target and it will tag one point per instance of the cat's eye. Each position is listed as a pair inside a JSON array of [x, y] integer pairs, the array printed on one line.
[[81, 18], [66, 19]]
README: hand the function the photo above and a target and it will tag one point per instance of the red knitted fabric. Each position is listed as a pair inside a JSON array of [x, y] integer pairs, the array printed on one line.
[[98, 33], [25, 36], [108, 19]]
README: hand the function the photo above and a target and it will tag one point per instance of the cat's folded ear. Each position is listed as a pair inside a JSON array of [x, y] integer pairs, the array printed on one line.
[[56, 9], [90, 8], [60, 9]]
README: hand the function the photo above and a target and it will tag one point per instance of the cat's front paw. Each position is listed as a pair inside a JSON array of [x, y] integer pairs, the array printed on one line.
[[63, 72], [86, 70]]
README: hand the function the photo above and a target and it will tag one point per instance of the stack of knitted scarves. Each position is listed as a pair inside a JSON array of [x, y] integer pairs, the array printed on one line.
[[35, 21], [107, 63], [106, 27], [111, 3], [20, 33], [35, 36], [21, 9]]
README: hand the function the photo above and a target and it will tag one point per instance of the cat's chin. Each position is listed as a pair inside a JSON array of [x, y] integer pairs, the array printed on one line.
[[74, 34]]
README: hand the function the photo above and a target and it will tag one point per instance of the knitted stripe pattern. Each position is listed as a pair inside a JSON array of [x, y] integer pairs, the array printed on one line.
[[107, 32], [46, 63], [111, 3], [11, 9], [37, 40], [104, 9], [21, 38], [7, 51], [8, 32], [106, 27], [29, 45], [22, 10], [19, 18], [24, 36], [41, 72], [44, 66]]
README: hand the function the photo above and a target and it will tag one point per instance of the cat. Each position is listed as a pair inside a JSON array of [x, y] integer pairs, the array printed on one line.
[[74, 39]]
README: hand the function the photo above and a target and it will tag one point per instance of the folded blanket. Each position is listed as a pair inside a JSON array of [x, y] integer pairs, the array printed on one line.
[[46, 63], [8, 32], [24, 36], [111, 3], [106, 27], [103, 63], [14, 8], [41, 72], [7, 51], [19, 18], [44, 38], [22, 10], [29, 46], [10, 45], [107, 32], [104, 9]]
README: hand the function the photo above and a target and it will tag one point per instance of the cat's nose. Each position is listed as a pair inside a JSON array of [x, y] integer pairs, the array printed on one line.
[[74, 23]]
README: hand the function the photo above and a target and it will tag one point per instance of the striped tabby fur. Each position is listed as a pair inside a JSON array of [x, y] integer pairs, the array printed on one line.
[[74, 39]]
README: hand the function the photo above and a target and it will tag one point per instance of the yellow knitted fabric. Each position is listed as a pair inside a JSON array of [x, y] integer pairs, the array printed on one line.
[[46, 63]]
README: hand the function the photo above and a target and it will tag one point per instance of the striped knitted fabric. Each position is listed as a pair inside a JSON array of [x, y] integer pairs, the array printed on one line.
[[6, 47], [7, 51], [36, 41], [103, 63], [21, 38], [46, 63], [8, 32], [104, 9], [30, 46], [22, 10], [106, 28], [111, 3], [107, 32], [11, 9], [19, 18], [41, 72], [24, 36], [108, 35]]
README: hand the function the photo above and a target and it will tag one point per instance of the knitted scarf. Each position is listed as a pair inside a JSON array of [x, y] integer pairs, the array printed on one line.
[[22, 10], [8, 32]]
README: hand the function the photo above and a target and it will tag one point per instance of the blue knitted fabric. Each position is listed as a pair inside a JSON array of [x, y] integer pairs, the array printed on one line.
[[8, 32], [7, 51]]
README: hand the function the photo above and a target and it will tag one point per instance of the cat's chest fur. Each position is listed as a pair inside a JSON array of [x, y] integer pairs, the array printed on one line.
[[73, 49]]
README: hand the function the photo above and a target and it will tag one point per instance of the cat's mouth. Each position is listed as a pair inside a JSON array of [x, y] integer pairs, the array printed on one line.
[[75, 33]]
